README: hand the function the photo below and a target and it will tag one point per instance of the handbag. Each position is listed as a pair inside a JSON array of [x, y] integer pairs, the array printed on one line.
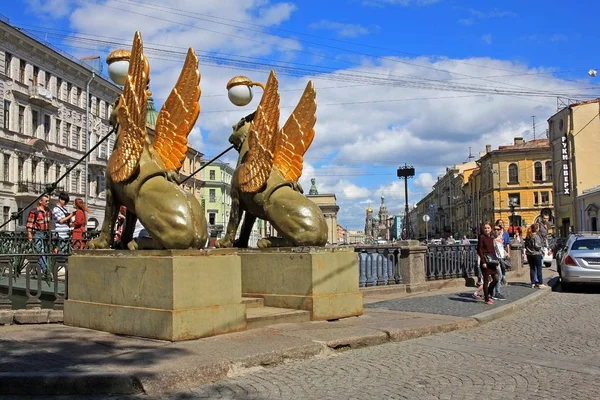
[[492, 260]]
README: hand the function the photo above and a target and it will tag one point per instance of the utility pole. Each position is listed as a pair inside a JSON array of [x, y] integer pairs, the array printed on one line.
[[533, 123]]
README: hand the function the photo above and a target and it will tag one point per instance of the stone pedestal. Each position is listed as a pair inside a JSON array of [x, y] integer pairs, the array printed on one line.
[[516, 256], [161, 294], [412, 265], [323, 281]]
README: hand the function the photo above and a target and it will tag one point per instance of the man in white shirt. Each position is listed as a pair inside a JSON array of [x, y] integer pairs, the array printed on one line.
[[62, 221]]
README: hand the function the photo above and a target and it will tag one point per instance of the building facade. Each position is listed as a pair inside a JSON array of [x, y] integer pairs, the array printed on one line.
[[516, 182], [574, 140], [43, 126], [215, 196]]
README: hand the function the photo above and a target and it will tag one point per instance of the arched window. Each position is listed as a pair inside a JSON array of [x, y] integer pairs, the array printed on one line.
[[548, 170], [537, 172], [513, 173]]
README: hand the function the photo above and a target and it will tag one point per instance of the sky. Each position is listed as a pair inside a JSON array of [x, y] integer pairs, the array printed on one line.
[[417, 82]]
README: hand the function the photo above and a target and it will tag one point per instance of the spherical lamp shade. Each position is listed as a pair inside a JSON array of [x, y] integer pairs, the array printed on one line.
[[117, 71], [240, 95]]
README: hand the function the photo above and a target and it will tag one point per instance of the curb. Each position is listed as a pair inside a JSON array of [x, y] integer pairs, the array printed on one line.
[[493, 314], [68, 383]]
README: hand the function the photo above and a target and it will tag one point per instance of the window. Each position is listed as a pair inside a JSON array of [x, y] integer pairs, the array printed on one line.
[[212, 175], [47, 127], [46, 171], [36, 73], [76, 136], [97, 111], [20, 163], [6, 114], [212, 217], [20, 219], [34, 166], [6, 167], [67, 135], [98, 183], [212, 196], [35, 121], [548, 170], [536, 198], [22, 66], [48, 77], [514, 198], [69, 90], [59, 83], [21, 119], [7, 64], [5, 213], [545, 197], [537, 172]]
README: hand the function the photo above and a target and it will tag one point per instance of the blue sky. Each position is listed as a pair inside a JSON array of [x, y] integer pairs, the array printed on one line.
[[398, 81]]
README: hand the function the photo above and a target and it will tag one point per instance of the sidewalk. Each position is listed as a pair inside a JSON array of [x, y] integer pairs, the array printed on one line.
[[57, 359]]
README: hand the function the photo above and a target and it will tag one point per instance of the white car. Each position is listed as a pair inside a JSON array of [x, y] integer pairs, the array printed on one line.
[[580, 262]]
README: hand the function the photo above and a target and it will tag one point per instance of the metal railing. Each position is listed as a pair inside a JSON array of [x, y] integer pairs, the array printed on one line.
[[380, 265], [450, 261], [34, 274]]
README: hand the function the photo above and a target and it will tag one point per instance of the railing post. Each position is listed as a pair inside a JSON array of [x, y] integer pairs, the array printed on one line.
[[6, 271], [412, 265]]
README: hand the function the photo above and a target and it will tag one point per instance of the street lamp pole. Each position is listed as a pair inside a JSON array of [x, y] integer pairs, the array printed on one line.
[[512, 219], [406, 172]]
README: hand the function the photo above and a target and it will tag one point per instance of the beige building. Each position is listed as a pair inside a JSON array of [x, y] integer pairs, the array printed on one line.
[[574, 140], [43, 125], [327, 204]]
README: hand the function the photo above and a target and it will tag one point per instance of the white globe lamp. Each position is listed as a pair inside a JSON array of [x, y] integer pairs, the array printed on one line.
[[118, 66], [240, 95]]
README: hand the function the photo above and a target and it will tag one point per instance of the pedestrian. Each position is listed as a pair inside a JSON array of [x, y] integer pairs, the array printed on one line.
[[533, 249], [465, 241], [38, 229], [543, 225], [62, 222], [501, 268], [79, 224], [487, 256]]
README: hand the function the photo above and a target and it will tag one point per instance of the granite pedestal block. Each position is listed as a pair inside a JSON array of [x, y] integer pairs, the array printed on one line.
[[323, 281], [161, 294]]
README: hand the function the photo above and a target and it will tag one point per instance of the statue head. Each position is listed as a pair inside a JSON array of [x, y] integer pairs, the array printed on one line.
[[313, 180], [240, 131]]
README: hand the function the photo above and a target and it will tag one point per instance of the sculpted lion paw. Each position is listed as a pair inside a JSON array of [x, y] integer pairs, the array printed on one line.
[[223, 243], [100, 243], [263, 243]]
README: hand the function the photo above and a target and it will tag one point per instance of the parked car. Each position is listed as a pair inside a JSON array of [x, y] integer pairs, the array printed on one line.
[[580, 261]]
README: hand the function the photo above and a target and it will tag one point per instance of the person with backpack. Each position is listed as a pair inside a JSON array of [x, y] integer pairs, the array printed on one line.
[[38, 229]]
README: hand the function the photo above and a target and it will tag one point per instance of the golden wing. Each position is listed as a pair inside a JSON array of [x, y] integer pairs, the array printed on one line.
[[131, 115], [255, 171], [178, 115], [296, 136]]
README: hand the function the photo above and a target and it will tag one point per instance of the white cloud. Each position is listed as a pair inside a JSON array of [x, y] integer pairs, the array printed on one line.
[[487, 39], [404, 3], [343, 30], [49, 8]]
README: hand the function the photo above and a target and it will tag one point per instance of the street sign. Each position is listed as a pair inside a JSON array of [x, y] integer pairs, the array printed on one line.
[[426, 218]]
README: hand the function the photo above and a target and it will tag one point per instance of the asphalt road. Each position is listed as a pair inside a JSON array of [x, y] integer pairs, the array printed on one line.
[[550, 350]]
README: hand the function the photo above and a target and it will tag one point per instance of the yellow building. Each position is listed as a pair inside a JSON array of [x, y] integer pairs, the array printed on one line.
[[516, 182], [574, 141]]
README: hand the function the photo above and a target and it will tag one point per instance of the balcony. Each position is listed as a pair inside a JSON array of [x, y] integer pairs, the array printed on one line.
[[32, 189], [42, 97], [98, 160]]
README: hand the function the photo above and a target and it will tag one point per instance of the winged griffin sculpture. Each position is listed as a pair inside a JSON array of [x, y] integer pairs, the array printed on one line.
[[265, 182], [142, 175]]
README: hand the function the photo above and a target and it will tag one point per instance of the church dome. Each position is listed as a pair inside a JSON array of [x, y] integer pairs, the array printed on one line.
[[369, 210], [152, 114]]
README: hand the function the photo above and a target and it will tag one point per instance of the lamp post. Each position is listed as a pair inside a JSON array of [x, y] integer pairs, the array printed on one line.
[[406, 172], [512, 206]]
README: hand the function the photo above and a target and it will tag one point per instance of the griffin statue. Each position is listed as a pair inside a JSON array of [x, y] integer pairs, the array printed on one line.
[[142, 175], [265, 182]]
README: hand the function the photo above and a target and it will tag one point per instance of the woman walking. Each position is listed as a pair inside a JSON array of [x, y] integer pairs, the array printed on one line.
[[485, 248], [79, 225], [533, 250]]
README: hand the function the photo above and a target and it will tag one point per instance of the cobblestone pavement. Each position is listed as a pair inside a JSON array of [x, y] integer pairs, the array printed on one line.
[[551, 350], [458, 304]]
